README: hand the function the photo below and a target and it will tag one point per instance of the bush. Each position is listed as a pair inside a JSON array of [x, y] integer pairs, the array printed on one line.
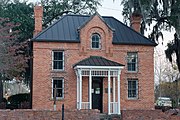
[[16, 101], [3, 105]]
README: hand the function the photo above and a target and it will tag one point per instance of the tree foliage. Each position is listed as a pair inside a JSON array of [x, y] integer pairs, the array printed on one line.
[[12, 54], [54, 9], [168, 89], [21, 12], [13, 60], [165, 15], [174, 48]]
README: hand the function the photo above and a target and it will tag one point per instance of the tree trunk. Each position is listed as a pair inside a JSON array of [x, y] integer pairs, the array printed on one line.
[[177, 42]]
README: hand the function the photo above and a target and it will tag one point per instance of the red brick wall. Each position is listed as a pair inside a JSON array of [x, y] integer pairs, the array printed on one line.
[[75, 52], [83, 115], [38, 14], [136, 21], [148, 115], [49, 115]]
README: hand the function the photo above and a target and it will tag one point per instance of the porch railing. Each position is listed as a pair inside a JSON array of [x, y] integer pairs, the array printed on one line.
[[85, 105], [114, 107]]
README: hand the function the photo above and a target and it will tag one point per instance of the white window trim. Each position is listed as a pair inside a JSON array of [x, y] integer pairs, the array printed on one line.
[[53, 60], [57, 98], [99, 41], [137, 90], [136, 67]]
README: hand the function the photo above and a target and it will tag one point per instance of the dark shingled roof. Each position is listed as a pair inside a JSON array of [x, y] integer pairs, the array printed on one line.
[[97, 61], [66, 30]]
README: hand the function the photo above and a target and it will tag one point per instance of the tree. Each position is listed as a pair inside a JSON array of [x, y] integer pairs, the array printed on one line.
[[174, 48], [165, 75], [169, 89], [165, 15], [12, 57], [21, 12], [54, 9]]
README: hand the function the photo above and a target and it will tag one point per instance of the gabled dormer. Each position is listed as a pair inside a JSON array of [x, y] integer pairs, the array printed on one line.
[[95, 35]]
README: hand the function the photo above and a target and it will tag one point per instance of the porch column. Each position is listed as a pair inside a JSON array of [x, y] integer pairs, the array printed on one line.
[[77, 91], [80, 89], [109, 93], [119, 106], [114, 89], [90, 88]]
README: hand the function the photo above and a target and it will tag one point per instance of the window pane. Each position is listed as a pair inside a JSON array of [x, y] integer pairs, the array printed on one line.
[[132, 61], [58, 55], [59, 84], [59, 88], [134, 85], [58, 60], [129, 93], [59, 93], [95, 41], [133, 67], [93, 38], [129, 67], [54, 83], [58, 65], [132, 88], [93, 45], [96, 44]]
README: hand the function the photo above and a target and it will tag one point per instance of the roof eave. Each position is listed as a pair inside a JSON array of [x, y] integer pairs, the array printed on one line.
[[145, 44], [66, 41], [98, 67]]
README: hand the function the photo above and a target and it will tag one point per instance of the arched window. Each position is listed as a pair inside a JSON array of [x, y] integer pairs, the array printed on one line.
[[95, 41]]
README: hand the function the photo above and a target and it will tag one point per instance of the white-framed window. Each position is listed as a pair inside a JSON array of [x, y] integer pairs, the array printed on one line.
[[132, 61], [95, 41], [58, 88], [132, 88], [58, 60]]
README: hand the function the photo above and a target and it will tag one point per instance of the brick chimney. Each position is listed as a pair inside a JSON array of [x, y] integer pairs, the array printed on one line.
[[38, 14], [136, 21]]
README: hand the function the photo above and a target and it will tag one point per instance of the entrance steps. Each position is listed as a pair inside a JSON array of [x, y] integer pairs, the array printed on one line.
[[109, 117]]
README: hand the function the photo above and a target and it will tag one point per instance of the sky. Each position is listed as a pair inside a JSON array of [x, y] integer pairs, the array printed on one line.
[[110, 8]]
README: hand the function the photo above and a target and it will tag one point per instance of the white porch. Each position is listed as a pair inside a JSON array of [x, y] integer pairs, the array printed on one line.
[[112, 75]]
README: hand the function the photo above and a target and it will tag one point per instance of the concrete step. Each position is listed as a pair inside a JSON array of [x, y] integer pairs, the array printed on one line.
[[109, 117]]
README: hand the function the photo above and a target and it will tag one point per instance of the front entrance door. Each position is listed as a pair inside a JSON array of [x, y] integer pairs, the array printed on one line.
[[97, 93]]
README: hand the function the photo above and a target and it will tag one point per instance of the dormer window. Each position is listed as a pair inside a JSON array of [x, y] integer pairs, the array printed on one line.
[[95, 41]]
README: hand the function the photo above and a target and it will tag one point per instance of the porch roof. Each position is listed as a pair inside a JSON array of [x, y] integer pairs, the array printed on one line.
[[97, 61]]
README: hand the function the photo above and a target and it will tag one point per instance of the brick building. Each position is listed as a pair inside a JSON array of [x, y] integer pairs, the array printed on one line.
[[94, 62]]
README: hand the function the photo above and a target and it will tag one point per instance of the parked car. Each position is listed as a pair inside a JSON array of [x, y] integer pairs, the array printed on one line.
[[164, 101]]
